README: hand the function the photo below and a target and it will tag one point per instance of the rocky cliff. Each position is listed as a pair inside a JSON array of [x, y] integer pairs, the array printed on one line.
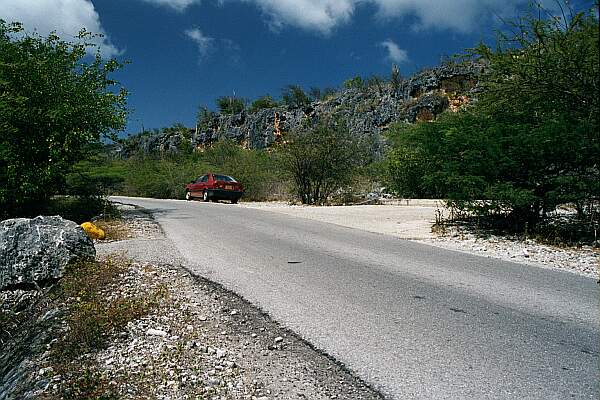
[[367, 111]]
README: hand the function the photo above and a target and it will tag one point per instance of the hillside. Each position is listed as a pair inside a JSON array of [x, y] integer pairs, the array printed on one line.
[[367, 110]]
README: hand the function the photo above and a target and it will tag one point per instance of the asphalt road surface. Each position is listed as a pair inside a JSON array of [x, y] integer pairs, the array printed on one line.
[[414, 321]]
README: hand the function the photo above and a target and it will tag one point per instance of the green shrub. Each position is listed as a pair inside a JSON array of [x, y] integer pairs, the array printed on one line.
[[230, 105], [160, 177], [54, 103], [531, 140], [294, 96], [262, 103], [256, 170], [321, 160]]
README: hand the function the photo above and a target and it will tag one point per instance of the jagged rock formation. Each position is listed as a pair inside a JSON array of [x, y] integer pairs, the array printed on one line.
[[367, 112], [34, 252]]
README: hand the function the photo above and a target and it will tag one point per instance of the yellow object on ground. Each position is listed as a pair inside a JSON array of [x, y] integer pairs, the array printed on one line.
[[93, 231]]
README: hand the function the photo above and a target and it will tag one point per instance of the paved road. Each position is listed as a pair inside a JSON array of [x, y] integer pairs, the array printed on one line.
[[413, 320]]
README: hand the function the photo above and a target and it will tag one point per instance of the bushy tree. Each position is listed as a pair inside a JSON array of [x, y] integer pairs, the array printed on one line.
[[355, 83], [54, 101], [530, 142], [263, 103], [294, 96], [230, 105], [317, 93], [320, 160]]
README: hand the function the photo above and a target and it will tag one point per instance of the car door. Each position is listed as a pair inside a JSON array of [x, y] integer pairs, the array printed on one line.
[[200, 185]]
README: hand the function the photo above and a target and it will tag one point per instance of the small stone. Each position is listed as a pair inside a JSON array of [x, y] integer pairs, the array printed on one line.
[[221, 353], [278, 339], [156, 332]]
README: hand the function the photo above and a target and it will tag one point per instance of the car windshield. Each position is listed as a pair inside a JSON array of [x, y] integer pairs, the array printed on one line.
[[223, 178]]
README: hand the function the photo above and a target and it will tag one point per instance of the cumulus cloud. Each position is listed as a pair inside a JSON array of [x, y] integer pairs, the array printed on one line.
[[319, 15], [325, 15], [66, 17], [456, 15], [178, 5], [394, 53], [204, 43]]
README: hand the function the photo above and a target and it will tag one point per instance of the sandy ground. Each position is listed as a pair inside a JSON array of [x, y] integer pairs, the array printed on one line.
[[410, 219], [413, 219]]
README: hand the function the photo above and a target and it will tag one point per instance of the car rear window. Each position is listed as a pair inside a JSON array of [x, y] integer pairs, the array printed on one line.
[[223, 178]]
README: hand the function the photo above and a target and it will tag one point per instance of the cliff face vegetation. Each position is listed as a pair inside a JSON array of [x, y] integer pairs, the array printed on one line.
[[368, 110]]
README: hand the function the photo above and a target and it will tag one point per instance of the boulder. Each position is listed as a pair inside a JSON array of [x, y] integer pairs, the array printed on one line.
[[35, 252]]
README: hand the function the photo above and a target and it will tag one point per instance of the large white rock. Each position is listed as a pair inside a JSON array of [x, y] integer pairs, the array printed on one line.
[[36, 251]]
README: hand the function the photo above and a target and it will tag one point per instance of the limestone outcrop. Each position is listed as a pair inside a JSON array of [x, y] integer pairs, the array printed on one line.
[[35, 252], [367, 111]]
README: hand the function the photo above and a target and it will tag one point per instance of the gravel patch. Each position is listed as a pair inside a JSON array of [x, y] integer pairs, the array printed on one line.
[[206, 342]]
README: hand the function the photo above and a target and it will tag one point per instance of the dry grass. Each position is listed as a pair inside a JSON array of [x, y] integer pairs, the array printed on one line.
[[96, 311], [114, 228]]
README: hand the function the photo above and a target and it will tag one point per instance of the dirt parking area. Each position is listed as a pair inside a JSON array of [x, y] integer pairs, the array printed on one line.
[[409, 219]]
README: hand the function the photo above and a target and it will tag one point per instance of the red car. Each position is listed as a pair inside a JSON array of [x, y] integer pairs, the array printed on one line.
[[214, 187]]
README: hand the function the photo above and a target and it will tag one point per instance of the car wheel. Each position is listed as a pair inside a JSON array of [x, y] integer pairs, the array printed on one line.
[[205, 195], [188, 195], [234, 201]]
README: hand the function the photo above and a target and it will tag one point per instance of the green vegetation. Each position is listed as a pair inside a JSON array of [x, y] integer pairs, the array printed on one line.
[[395, 79], [531, 141], [355, 83], [321, 161], [52, 105], [262, 103], [164, 176], [229, 105], [294, 96], [255, 169]]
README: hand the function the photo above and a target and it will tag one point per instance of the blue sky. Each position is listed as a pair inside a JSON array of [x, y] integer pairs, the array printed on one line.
[[186, 53]]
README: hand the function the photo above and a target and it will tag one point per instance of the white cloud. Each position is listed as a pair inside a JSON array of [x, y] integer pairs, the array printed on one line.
[[204, 43], [66, 17], [394, 53], [319, 15], [325, 15], [178, 5], [456, 15]]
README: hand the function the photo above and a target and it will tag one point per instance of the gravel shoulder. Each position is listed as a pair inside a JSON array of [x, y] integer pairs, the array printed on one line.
[[206, 341], [413, 219]]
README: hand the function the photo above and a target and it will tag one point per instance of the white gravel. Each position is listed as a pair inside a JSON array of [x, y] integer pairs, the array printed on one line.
[[413, 219]]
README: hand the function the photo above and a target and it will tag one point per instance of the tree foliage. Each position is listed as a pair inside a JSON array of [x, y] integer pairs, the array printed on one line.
[[262, 103], [230, 105], [355, 83], [294, 96], [321, 160], [530, 142], [54, 101]]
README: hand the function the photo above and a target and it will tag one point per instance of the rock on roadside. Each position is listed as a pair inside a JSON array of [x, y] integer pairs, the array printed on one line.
[[36, 251]]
